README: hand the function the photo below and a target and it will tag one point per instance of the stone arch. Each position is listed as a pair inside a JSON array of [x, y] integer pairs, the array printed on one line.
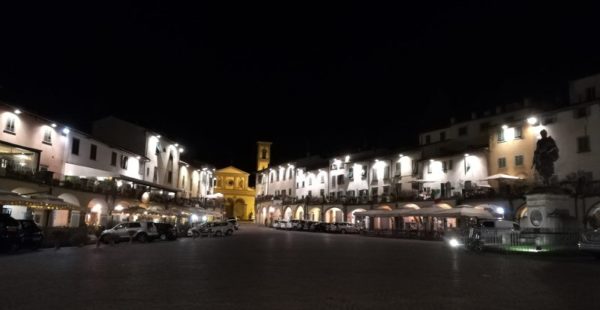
[[411, 206], [97, 212], [314, 214], [522, 211], [288, 214], [334, 215], [299, 214], [229, 205], [383, 223], [593, 216], [239, 209], [351, 217]]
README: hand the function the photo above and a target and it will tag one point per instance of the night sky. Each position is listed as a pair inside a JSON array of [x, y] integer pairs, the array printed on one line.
[[318, 79]]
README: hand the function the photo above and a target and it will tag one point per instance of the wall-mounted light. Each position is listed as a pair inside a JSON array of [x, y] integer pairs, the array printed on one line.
[[138, 157], [467, 155], [176, 144], [347, 159], [532, 120], [53, 125], [66, 130], [157, 136], [505, 127], [17, 111], [180, 150]]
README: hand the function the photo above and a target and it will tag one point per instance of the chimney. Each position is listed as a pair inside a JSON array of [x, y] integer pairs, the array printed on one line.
[[473, 115]]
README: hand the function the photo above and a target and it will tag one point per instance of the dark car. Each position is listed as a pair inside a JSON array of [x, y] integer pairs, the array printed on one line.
[[9, 233], [234, 222], [166, 231], [31, 235]]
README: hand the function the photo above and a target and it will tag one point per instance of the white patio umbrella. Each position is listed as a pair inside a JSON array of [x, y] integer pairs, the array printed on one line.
[[501, 176]]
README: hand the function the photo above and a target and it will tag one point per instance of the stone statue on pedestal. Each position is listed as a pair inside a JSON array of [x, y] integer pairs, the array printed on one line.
[[546, 153]]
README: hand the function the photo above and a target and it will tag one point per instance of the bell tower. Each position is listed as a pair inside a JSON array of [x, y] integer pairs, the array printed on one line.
[[264, 155]]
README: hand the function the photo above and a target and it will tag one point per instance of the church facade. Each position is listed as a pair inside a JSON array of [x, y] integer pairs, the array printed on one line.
[[238, 197]]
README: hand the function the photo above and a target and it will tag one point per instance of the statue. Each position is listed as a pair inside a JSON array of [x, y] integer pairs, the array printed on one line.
[[546, 153]]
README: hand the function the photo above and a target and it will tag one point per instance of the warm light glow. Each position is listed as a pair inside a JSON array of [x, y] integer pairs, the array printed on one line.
[[138, 157], [347, 158], [119, 183], [66, 130], [454, 243], [53, 125], [203, 218], [17, 111], [119, 208], [400, 155], [467, 155], [176, 144], [500, 210], [97, 208], [194, 218], [505, 127], [180, 150], [532, 120], [157, 136], [431, 160]]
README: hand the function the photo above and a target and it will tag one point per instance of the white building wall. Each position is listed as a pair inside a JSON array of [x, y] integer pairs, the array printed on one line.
[[159, 162], [83, 166], [29, 132], [314, 182], [472, 168], [565, 130], [578, 91]]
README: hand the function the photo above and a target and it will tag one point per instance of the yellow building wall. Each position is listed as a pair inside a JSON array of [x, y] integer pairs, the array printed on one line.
[[238, 197], [512, 147]]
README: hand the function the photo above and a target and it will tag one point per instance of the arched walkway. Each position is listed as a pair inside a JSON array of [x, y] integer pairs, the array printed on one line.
[[98, 212], [593, 216], [287, 215], [314, 214], [334, 215], [299, 213], [239, 209], [351, 218]]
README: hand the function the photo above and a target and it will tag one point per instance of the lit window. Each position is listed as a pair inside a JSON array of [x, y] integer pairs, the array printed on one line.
[[47, 136], [10, 124], [519, 160]]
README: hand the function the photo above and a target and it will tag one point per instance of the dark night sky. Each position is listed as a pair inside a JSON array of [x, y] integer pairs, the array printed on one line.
[[335, 78]]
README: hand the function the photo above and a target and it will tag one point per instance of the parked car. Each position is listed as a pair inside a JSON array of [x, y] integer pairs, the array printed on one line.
[[166, 231], [275, 224], [216, 229], [235, 223], [141, 231], [195, 230], [589, 242], [9, 233], [344, 228], [31, 235], [285, 224]]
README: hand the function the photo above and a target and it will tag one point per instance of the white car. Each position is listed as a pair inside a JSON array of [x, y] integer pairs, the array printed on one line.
[[216, 229], [344, 228], [284, 224]]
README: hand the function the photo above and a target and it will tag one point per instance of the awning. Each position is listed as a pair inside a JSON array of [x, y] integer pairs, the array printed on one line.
[[150, 184], [501, 176], [40, 201]]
